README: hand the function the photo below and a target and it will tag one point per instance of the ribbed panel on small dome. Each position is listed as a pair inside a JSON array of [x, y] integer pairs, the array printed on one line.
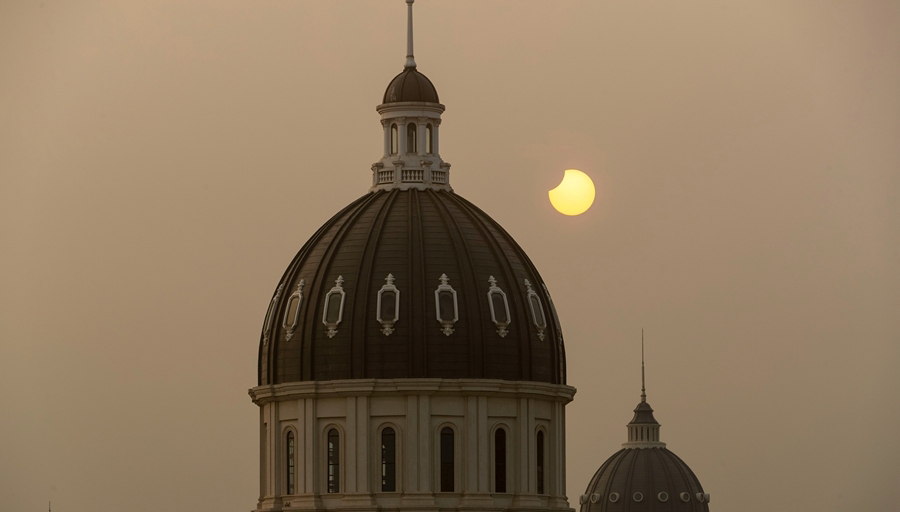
[[410, 85], [649, 471], [415, 236]]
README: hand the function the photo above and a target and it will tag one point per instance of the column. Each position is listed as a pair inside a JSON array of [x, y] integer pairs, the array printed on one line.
[[411, 460], [311, 446], [362, 444], [401, 134], [274, 435], [263, 438], [420, 136], [386, 124], [300, 449], [426, 468], [484, 447], [532, 449], [349, 455], [523, 462], [435, 125], [471, 445]]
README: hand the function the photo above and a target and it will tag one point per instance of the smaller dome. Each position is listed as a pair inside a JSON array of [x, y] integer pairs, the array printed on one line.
[[644, 479], [644, 476], [410, 85]]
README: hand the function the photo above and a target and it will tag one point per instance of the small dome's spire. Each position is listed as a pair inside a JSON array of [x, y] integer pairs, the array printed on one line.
[[643, 430], [643, 388], [410, 60]]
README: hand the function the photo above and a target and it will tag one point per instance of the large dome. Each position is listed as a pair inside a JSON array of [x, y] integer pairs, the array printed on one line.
[[332, 316]]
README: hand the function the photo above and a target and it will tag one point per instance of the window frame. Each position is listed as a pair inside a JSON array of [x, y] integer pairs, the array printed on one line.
[[298, 293], [496, 463], [331, 327], [270, 315], [529, 295], [454, 462], [290, 456], [495, 290], [329, 461], [382, 461], [540, 458], [387, 325], [446, 324]]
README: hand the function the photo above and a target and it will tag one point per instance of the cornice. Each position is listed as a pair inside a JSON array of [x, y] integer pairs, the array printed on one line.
[[386, 387]]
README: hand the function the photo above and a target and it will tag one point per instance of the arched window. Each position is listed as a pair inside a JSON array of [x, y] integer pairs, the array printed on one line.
[[388, 460], [428, 139], [540, 462], [395, 141], [411, 139], [447, 469], [500, 460], [289, 448], [334, 461]]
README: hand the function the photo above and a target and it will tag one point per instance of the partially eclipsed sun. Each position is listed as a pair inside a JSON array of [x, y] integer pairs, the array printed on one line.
[[574, 194]]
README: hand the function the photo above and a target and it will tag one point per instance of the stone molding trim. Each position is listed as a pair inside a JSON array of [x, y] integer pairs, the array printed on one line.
[[392, 387]]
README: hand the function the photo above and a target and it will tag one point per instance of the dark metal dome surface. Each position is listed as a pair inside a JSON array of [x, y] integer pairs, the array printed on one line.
[[416, 236], [650, 472], [410, 85]]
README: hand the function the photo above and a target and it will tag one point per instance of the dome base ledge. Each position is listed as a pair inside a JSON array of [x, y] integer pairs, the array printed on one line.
[[410, 186]]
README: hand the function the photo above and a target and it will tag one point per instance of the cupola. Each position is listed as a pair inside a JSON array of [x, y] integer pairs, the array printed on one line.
[[411, 118]]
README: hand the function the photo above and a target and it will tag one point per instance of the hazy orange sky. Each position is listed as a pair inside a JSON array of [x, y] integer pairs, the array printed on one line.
[[161, 162]]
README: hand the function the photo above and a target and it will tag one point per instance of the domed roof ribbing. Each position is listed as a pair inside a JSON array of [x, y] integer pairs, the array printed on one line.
[[656, 476], [410, 85], [415, 241]]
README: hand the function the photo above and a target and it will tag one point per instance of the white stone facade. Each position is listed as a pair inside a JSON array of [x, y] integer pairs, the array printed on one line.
[[417, 410]]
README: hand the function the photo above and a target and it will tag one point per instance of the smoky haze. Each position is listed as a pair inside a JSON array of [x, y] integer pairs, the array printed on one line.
[[161, 162]]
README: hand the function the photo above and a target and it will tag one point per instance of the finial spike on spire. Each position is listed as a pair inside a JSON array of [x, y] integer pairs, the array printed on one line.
[[643, 388], [410, 60]]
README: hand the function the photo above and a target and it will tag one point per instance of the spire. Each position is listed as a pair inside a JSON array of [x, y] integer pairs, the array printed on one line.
[[643, 388], [410, 60], [643, 430]]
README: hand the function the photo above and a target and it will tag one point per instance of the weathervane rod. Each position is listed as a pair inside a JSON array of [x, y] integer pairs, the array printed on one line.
[[643, 389], [410, 60]]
